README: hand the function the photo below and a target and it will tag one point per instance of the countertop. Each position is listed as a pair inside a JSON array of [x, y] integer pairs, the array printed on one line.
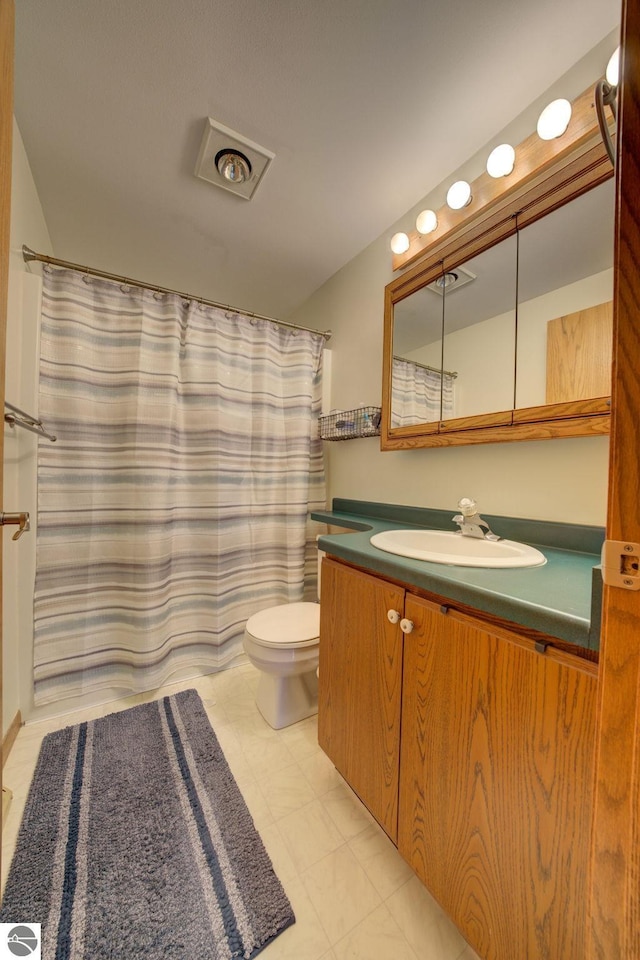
[[561, 599]]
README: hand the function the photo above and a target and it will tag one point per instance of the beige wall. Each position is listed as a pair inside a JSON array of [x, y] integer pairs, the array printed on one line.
[[563, 480], [27, 226]]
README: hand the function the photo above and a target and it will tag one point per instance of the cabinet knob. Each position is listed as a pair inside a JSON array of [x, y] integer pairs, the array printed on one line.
[[393, 616], [406, 625]]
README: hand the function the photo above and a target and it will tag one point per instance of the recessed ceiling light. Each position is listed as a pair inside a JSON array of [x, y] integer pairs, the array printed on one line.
[[451, 280], [231, 161]]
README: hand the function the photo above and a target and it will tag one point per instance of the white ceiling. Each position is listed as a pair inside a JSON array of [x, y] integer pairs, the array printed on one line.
[[367, 105]]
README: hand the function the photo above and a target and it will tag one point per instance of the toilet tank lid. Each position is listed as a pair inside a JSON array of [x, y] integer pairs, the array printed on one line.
[[287, 623]]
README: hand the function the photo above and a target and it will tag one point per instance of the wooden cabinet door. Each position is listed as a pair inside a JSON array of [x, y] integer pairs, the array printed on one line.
[[360, 686], [496, 784]]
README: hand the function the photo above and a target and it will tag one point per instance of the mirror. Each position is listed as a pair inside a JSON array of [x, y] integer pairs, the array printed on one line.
[[565, 302], [417, 387], [503, 330], [480, 330]]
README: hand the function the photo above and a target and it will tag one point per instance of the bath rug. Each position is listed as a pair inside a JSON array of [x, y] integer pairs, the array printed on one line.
[[136, 842]]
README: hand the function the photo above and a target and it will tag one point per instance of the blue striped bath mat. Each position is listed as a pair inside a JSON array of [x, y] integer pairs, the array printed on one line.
[[136, 842]]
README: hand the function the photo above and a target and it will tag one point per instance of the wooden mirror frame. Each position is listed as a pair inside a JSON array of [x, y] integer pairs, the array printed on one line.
[[547, 175]]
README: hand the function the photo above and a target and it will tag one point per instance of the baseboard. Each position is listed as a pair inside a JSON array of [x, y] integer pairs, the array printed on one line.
[[10, 736]]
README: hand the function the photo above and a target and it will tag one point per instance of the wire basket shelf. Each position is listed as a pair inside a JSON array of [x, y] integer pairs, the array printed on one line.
[[349, 424]]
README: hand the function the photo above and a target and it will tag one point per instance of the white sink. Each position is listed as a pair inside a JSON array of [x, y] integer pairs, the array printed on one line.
[[442, 546]]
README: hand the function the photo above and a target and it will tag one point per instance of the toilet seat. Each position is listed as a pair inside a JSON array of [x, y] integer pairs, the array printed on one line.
[[287, 625]]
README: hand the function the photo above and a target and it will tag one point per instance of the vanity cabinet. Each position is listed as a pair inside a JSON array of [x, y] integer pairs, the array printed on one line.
[[493, 740], [360, 682]]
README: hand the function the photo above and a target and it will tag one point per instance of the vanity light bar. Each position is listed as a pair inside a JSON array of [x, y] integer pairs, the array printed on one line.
[[497, 185]]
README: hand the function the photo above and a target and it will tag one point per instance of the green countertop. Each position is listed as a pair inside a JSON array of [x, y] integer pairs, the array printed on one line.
[[561, 598]]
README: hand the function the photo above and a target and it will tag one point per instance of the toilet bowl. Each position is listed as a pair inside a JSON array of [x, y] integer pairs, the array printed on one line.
[[283, 643]]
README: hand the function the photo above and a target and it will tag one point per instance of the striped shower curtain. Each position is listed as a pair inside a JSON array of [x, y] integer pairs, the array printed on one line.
[[175, 501], [417, 394]]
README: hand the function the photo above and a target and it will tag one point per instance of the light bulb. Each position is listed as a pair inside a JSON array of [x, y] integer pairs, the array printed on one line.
[[554, 119], [399, 243], [233, 166], [426, 222], [501, 161], [613, 69], [458, 195]]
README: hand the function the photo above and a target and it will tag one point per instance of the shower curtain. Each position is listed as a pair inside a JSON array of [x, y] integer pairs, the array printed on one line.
[[175, 501], [415, 394]]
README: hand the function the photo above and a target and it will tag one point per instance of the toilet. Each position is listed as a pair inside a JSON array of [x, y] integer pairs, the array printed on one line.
[[283, 643]]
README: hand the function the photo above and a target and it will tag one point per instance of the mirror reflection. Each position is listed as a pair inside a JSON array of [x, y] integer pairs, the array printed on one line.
[[565, 294], [419, 394], [479, 330]]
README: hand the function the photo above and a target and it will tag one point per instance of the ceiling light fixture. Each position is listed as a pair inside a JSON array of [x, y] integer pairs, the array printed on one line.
[[613, 68], [426, 222], [554, 119], [233, 166], [606, 95], [459, 195], [230, 161], [399, 243], [501, 161], [451, 280]]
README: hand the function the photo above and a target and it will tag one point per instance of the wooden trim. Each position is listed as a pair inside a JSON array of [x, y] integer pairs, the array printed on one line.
[[10, 736], [569, 408], [590, 426], [538, 163], [477, 422], [615, 860], [7, 26]]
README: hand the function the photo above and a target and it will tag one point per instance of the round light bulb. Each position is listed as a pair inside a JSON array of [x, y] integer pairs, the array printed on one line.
[[399, 243], [233, 166], [613, 69], [426, 222], [501, 160], [554, 119], [458, 195]]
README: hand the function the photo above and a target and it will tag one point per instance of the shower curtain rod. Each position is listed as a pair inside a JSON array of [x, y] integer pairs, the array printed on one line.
[[425, 366], [29, 255]]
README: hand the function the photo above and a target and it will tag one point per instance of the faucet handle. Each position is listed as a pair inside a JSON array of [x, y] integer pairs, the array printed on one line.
[[467, 506]]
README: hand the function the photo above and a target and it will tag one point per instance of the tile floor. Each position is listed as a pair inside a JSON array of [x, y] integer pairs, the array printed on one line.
[[353, 895]]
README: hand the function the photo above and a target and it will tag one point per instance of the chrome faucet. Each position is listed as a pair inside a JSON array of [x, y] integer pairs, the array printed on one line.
[[471, 523]]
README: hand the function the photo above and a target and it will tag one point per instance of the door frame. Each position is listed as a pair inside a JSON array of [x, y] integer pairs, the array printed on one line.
[[615, 853], [7, 26]]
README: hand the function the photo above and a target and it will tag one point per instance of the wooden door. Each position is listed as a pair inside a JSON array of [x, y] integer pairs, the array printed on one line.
[[615, 866], [360, 686], [6, 131], [496, 783]]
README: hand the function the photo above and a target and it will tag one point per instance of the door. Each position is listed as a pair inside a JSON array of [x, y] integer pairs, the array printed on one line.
[[615, 861], [6, 131], [360, 685], [496, 781]]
